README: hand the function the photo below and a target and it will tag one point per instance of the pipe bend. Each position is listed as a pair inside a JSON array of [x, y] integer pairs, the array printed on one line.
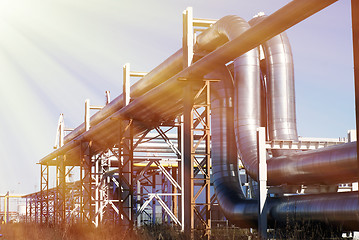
[[279, 72]]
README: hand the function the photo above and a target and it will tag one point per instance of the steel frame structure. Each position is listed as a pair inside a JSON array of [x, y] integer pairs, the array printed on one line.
[[159, 171], [197, 162], [88, 200], [156, 181]]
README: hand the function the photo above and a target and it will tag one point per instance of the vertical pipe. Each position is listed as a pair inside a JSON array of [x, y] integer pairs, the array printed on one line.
[[355, 29]]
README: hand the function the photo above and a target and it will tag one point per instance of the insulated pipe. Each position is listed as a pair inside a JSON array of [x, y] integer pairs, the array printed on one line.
[[224, 155], [158, 75], [280, 88], [334, 164], [247, 87], [247, 110], [341, 209]]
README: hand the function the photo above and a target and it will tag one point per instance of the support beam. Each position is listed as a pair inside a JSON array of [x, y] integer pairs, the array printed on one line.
[[6, 207], [87, 115], [196, 120], [262, 181], [108, 97], [139, 216], [126, 84], [355, 29], [60, 191], [59, 141], [44, 198], [125, 170], [188, 37], [201, 163], [86, 212], [186, 163]]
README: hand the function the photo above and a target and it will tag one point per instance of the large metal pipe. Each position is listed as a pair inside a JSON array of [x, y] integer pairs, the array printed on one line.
[[279, 73], [324, 208], [158, 75], [247, 88], [225, 177], [300, 167], [330, 165], [340, 209]]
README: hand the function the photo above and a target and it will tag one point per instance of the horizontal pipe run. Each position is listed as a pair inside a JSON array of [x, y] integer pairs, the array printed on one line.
[[334, 164], [162, 72]]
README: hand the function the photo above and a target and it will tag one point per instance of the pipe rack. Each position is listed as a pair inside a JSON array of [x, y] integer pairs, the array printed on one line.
[[226, 51]]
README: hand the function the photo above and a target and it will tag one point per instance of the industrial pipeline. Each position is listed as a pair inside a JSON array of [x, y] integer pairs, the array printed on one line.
[[246, 98]]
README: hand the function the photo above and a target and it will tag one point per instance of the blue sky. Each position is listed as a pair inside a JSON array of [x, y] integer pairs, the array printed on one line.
[[55, 54]]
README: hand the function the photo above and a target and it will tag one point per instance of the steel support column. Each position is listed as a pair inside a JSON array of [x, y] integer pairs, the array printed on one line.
[[51, 205], [101, 188], [262, 182], [200, 161], [86, 212], [196, 162], [186, 163], [60, 211], [186, 166], [125, 157], [44, 218], [70, 190], [355, 29]]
